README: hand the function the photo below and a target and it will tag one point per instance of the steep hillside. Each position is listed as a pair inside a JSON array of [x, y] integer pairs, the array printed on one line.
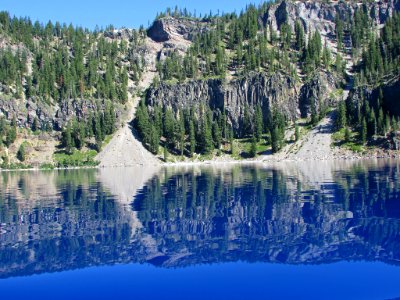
[[60, 79], [252, 76], [226, 85]]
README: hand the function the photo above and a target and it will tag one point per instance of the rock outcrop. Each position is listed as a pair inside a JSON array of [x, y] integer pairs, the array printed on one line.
[[321, 14], [390, 92], [272, 92], [49, 116], [316, 93], [165, 29]]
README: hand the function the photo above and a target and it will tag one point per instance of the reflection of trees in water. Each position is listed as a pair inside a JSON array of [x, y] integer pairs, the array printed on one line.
[[199, 216], [261, 214], [77, 224], [370, 191]]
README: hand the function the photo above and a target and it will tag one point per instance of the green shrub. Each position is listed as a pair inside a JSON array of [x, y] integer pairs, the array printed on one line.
[[76, 159]]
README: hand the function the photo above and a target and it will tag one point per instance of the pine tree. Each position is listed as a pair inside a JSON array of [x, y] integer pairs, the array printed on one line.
[[347, 134], [181, 133], [246, 121], [154, 139], [192, 138], [299, 32], [21, 154], [253, 147], [142, 122], [259, 123], [169, 122], [381, 120], [339, 64], [387, 124], [326, 57], [217, 135], [165, 154], [373, 126], [363, 132], [231, 140], [341, 119], [11, 135], [296, 132], [207, 141], [67, 139], [275, 140], [35, 125], [2, 128]]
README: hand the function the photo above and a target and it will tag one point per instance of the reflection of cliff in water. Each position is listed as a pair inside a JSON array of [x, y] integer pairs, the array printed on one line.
[[257, 214], [199, 215]]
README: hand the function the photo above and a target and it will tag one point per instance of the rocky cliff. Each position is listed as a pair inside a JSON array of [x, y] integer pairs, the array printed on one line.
[[50, 116], [316, 93], [165, 29], [390, 92], [276, 92], [320, 15]]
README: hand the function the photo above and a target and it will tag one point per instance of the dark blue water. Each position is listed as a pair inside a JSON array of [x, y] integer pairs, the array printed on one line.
[[289, 231]]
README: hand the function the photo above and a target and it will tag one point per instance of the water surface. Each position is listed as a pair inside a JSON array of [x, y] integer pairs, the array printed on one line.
[[300, 230]]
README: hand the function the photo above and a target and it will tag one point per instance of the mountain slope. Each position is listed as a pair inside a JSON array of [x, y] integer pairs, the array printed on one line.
[[208, 86]]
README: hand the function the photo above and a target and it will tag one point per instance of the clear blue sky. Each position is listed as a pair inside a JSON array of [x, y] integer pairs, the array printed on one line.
[[120, 13]]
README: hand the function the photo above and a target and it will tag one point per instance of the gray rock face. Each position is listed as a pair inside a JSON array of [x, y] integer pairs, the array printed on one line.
[[274, 92], [316, 93], [164, 29], [390, 91], [320, 15], [54, 116]]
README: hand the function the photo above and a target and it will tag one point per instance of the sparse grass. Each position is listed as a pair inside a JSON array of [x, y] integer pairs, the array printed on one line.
[[107, 139], [76, 159], [244, 146], [353, 144], [15, 166], [46, 166]]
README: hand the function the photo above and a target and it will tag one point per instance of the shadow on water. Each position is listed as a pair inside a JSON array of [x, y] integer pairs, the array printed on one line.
[[293, 214]]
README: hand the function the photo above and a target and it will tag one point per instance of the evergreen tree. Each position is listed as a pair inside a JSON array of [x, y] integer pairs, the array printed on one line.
[[169, 122], [21, 154], [35, 125], [347, 134], [207, 131], [165, 154], [231, 140], [259, 123], [277, 129], [142, 122], [326, 57], [253, 147], [67, 139], [299, 32], [181, 133], [381, 120], [296, 132], [341, 119], [246, 121], [192, 138], [387, 124], [154, 139], [275, 140], [363, 133], [11, 135], [217, 135]]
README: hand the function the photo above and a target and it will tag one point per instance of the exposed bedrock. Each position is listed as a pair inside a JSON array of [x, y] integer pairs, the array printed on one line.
[[274, 92]]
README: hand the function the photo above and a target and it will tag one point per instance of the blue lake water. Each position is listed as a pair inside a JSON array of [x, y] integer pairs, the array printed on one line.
[[315, 230]]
